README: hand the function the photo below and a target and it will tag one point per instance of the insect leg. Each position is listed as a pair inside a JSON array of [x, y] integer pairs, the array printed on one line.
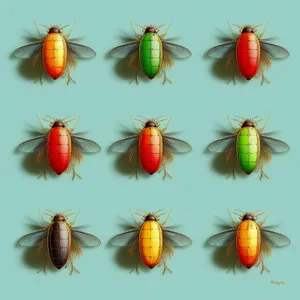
[[71, 224], [136, 269], [166, 268], [263, 79], [42, 248], [69, 78], [263, 128], [71, 130], [166, 79], [70, 32], [41, 35], [233, 268], [263, 267], [72, 268], [164, 167], [234, 129], [166, 220], [259, 36], [262, 174], [137, 35], [233, 33], [74, 172], [45, 129], [164, 129], [231, 218], [165, 33], [136, 222], [264, 220]]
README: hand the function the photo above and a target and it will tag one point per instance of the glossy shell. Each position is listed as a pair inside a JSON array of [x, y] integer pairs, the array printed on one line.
[[151, 243], [59, 243], [248, 243], [59, 149], [151, 54], [248, 148], [55, 54], [150, 149], [248, 54]]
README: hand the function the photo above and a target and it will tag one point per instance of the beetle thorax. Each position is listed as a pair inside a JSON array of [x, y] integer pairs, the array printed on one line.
[[151, 124], [59, 217], [54, 30], [58, 123], [248, 29], [249, 217], [248, 123], [151, 217], [150, 29]]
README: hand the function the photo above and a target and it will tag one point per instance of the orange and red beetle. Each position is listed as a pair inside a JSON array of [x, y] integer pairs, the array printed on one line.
[[248, 240], [54, 52], [248, 53], [150, 148], [59, 147]]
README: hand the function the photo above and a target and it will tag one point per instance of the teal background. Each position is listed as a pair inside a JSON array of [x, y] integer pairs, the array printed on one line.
[[199, 193]]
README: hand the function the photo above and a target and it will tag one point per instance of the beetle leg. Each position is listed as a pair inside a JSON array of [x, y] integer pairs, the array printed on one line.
[[263, 79], [233, 128], [41, 35], [135, 79], [165, 172], [75, 173], [166, 79], [166, 220], [73, 268], [45, 262], [71, 224], [136, 34], [136, 269], [233, 33], [164, 129], [263, 267], [40, 79], [259, 36], [262, 174], [70, 78], [70, 32], [135, 174], [233, 268], [232, 79], [231, 218], [165, 33], [263, 128], [166, 269], [71, 130]]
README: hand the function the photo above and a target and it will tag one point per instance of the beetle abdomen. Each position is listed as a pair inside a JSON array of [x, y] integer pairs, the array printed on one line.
[[150, 54], [55, 54], [59, 243], [248, 54], [150, 149], [248, 148], [248, 243], [151, 243], [59, 149]]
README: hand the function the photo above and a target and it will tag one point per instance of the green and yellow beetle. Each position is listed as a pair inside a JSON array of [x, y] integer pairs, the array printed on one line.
[[149, 54], [248, 149]]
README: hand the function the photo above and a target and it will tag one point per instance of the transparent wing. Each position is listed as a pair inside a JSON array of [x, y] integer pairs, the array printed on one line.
[[222, 50], [175, 145], [81, 51], [33, 239], [224, 238], [273, 145], [176, 51], [85, 239], [274, 239], [126, 238], [176, 239], [124, 145], [222, 145], [85, 145], [273, 50], [124, 50], [28, 50], [33, 145]]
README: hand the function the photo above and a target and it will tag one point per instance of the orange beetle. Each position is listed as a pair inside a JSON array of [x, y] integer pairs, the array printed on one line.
[[59, 147], [54, 52], [248, 240], [150, 147], [248, 53], [154, 242]]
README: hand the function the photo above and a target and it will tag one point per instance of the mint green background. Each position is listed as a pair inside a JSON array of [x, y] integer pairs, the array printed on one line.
[[199, 103]]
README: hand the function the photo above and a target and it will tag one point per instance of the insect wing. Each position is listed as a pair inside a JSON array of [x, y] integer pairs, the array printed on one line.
[[175, 145], [176, 51], [273, 50], [222, 145], [28, 50], [274, 145], [80, 51], [33, 239], [85, 239], [274, 239], [126, 238], [224, 238], [222, 50], [124, 145], [85, 145], [33, 145], [124, 50], [176, 239]]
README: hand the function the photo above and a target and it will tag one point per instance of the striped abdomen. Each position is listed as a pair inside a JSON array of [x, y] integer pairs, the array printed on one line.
[[150, 149], [151, 54], [248, 243], [55, 54], [248, 54], [59, 243], [248, 149], [59, 149], [151, 243]]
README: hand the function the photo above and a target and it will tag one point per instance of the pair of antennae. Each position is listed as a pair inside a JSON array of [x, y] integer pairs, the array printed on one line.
[[241, 213], [146, 213], [53, 213]]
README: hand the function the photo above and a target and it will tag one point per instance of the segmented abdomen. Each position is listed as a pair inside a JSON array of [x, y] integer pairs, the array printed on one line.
[[248, 54], [150, 149], [151, 243], [59, 244], [54, 54], [59, 149], [248, 243]]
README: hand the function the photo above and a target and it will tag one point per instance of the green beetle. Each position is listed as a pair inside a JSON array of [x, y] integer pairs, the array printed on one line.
[[248, 149], [149, 54]]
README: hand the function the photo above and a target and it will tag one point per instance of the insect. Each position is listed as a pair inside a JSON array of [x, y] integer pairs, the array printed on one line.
[[59, 241], [153, 241], [149, 148], [248, 240], [248, 149], [54, 53], [58, 147], [248, 53], [150, 54]]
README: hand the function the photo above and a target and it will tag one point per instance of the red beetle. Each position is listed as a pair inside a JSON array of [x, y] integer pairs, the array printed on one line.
[[59, 147], [248, 53], [150, 147]]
